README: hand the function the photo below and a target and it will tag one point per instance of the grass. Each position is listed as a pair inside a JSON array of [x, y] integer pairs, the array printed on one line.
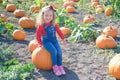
[[109, 52]]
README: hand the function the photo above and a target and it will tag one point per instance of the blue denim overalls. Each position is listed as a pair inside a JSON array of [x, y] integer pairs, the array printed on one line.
[[51, 44]]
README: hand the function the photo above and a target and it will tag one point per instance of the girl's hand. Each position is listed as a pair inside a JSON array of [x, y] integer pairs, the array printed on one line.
[[64, 43], [39, 45]]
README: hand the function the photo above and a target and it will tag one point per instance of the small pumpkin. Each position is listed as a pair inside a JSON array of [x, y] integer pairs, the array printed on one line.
[[1, 1], [99, 6], [2, 16], [19, 35], [19, 13], [41, 58], [68, 3], [33, 44], [99, 10], [70, 9], [26, 22], [105, 41], [108, 11], [111, 31], [88, 18], [94, 4], [114, 66], [65, 31], [76, 0], [10, 7], [94, 0], [34, 8]]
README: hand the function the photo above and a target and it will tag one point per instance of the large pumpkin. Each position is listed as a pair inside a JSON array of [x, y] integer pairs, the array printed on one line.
[[114, 66], [41, 58], [33, 44], [3, 17], [105, 41], [19, 13], [111, 31], [26, 22], [10, 7], [19, 35]]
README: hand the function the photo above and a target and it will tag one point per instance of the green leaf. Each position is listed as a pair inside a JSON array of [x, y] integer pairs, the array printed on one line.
[[2, 28]]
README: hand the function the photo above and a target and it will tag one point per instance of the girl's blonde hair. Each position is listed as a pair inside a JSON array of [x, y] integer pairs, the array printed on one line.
[[40, 18]]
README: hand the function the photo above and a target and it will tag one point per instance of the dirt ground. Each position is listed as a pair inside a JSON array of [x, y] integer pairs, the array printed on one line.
[[81, 60]]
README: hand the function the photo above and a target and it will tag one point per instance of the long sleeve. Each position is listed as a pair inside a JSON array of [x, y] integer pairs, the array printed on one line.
[[38, 35], [59, 32]]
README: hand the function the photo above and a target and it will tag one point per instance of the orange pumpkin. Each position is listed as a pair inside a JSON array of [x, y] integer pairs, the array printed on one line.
[[19, 35], [26, 22], [1, 1], [67, 0], [33, 44], [94, 4], [10, 7], [108, 11], [94, 0], [99, 6], [65, 31], [99, 10], [68, 3], [111, 31], [41, 58], [105, 41], [114, 66], [76, 0], [19, 13], [70, 9], [34, 8], [88, 18], [2, 16]]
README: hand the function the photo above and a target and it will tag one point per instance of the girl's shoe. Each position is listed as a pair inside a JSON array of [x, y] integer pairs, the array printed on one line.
[[62, 70], [56, 71]]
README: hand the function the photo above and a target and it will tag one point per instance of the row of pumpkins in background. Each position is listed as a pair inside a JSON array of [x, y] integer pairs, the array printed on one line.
[[69, 5], [100, 8], [24, 21], [106, 40]]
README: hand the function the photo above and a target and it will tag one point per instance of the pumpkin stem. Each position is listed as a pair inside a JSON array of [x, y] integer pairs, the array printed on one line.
[[111, 27]]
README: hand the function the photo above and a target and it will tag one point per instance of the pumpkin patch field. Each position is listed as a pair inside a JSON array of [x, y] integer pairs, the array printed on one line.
[[92, 31]]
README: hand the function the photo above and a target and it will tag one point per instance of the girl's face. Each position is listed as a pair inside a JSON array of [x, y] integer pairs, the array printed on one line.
[[48, 16]]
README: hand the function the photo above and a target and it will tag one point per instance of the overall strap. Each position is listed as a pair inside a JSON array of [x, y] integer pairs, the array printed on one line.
[[44, 26]]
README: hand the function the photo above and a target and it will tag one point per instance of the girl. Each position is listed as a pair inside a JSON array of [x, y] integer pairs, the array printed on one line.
[[46, 36]]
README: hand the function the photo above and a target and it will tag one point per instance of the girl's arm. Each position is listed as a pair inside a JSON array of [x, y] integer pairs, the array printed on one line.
[[61, 35], [59, 32], [38, 35]]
